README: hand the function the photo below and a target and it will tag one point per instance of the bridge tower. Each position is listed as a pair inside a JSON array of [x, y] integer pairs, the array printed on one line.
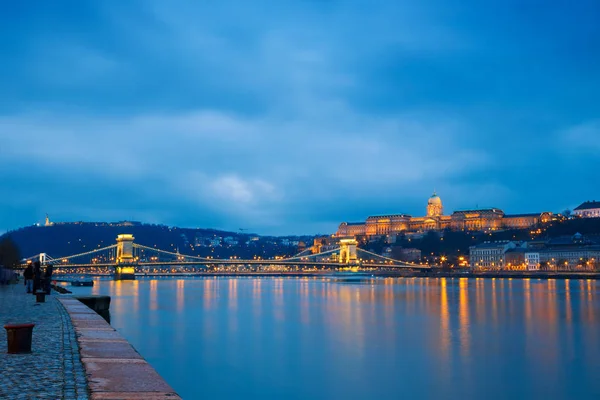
[[125, 261], [348, 251]]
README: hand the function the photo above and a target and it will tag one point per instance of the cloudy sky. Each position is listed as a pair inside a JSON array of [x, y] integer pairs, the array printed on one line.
[[286, 117]]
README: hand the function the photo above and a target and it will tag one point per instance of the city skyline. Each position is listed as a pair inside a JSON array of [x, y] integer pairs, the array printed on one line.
[[291, 119], [48, 221]]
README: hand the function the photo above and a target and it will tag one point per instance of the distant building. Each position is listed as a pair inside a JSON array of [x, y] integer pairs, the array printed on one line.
[[468, 220], [324, 243], [351, 229], [490, 255], [564, 252], [532, 261], [568, 257], [589, 209], [524, 221], [515, 258]]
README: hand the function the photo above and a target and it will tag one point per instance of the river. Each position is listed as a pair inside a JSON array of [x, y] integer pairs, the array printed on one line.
[[364, 338]]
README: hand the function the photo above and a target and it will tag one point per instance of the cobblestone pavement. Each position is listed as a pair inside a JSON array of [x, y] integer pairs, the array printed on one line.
[[53, 370]]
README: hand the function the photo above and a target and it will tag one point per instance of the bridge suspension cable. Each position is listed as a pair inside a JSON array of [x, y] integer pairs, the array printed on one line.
[[62, 259], [313, 255], [139, 246], [307, 251], [205, 259], [386, 258]]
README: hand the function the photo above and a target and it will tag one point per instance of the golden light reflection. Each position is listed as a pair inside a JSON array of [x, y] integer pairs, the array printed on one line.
[[480, 303], [153, 295], [527, 305], [117, 287], [590, 300], [256, 298], [180, 294], [494, 303], [208, 294], [304, 302], [232, 304], [232, 294], [444, 320], [463, 317], [568, 310], [136, 295], [278, 309]]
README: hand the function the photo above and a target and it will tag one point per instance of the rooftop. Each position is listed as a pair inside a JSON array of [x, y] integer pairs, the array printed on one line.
[[588, 205], [522, 215], [570, 248], [491, 245], [389, 216], [481, 210]]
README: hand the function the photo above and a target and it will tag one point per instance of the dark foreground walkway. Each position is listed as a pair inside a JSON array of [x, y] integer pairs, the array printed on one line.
[[53, 370]]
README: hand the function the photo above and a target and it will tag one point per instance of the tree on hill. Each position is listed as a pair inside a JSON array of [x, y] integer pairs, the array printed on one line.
[[10, 256]]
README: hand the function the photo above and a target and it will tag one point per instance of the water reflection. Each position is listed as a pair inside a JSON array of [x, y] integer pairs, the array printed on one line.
[[444, 337], [463, 316], [369, 338]]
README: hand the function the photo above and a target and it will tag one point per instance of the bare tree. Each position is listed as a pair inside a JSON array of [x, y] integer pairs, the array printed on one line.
[[10, 256]]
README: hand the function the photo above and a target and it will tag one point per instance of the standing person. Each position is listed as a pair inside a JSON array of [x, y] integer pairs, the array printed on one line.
[[28, 276], [37, 276], [48, 278]]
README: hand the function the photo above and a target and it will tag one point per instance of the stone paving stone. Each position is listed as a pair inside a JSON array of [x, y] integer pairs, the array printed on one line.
[[94, 334], [118, 375], [94, 349], [79, 323], [85, 317], [133, 396], [53, 370]]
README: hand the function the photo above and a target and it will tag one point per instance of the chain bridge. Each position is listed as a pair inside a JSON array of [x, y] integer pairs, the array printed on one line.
[[128, 258]]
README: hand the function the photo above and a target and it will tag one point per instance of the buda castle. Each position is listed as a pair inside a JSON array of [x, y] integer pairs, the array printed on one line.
[[488, 219]]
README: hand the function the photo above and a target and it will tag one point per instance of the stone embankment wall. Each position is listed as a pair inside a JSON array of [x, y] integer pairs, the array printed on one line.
[[114, 369]]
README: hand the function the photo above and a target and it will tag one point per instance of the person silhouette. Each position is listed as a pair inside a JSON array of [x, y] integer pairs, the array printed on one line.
[[28, 276], [37, 276], [48, 278]]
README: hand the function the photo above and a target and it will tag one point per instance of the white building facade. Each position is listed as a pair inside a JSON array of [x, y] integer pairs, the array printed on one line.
[[489, 255], [589, 209]]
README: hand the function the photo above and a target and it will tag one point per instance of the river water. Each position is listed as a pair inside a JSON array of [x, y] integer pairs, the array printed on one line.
[[364, 338]]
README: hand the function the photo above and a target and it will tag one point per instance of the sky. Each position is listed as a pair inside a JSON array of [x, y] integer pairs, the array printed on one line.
[[289, 117]]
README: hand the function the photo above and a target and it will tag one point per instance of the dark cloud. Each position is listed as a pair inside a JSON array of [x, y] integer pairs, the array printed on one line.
[[291, 119]]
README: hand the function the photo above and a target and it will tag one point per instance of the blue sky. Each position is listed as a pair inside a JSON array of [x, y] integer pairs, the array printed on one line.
[[287, 117]]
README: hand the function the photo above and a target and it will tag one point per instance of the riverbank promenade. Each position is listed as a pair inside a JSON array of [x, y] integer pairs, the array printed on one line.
[[75, 354], [53, 369]]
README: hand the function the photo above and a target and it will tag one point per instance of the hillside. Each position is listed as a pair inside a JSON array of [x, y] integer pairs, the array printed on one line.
[[72, 238]]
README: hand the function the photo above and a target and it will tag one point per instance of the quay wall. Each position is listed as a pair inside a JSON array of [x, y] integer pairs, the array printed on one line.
[[114, 369]]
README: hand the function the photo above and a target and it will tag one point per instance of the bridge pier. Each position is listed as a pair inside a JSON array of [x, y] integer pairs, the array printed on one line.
[[126, 262], [348, 251], [124, 272]]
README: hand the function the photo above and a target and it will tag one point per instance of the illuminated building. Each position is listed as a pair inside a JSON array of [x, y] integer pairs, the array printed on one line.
[[490, 255], [589, 209], [532, 260], [435, 220], [568, 257]]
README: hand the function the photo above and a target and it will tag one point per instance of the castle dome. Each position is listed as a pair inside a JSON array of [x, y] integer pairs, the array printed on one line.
[[435, 200]]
